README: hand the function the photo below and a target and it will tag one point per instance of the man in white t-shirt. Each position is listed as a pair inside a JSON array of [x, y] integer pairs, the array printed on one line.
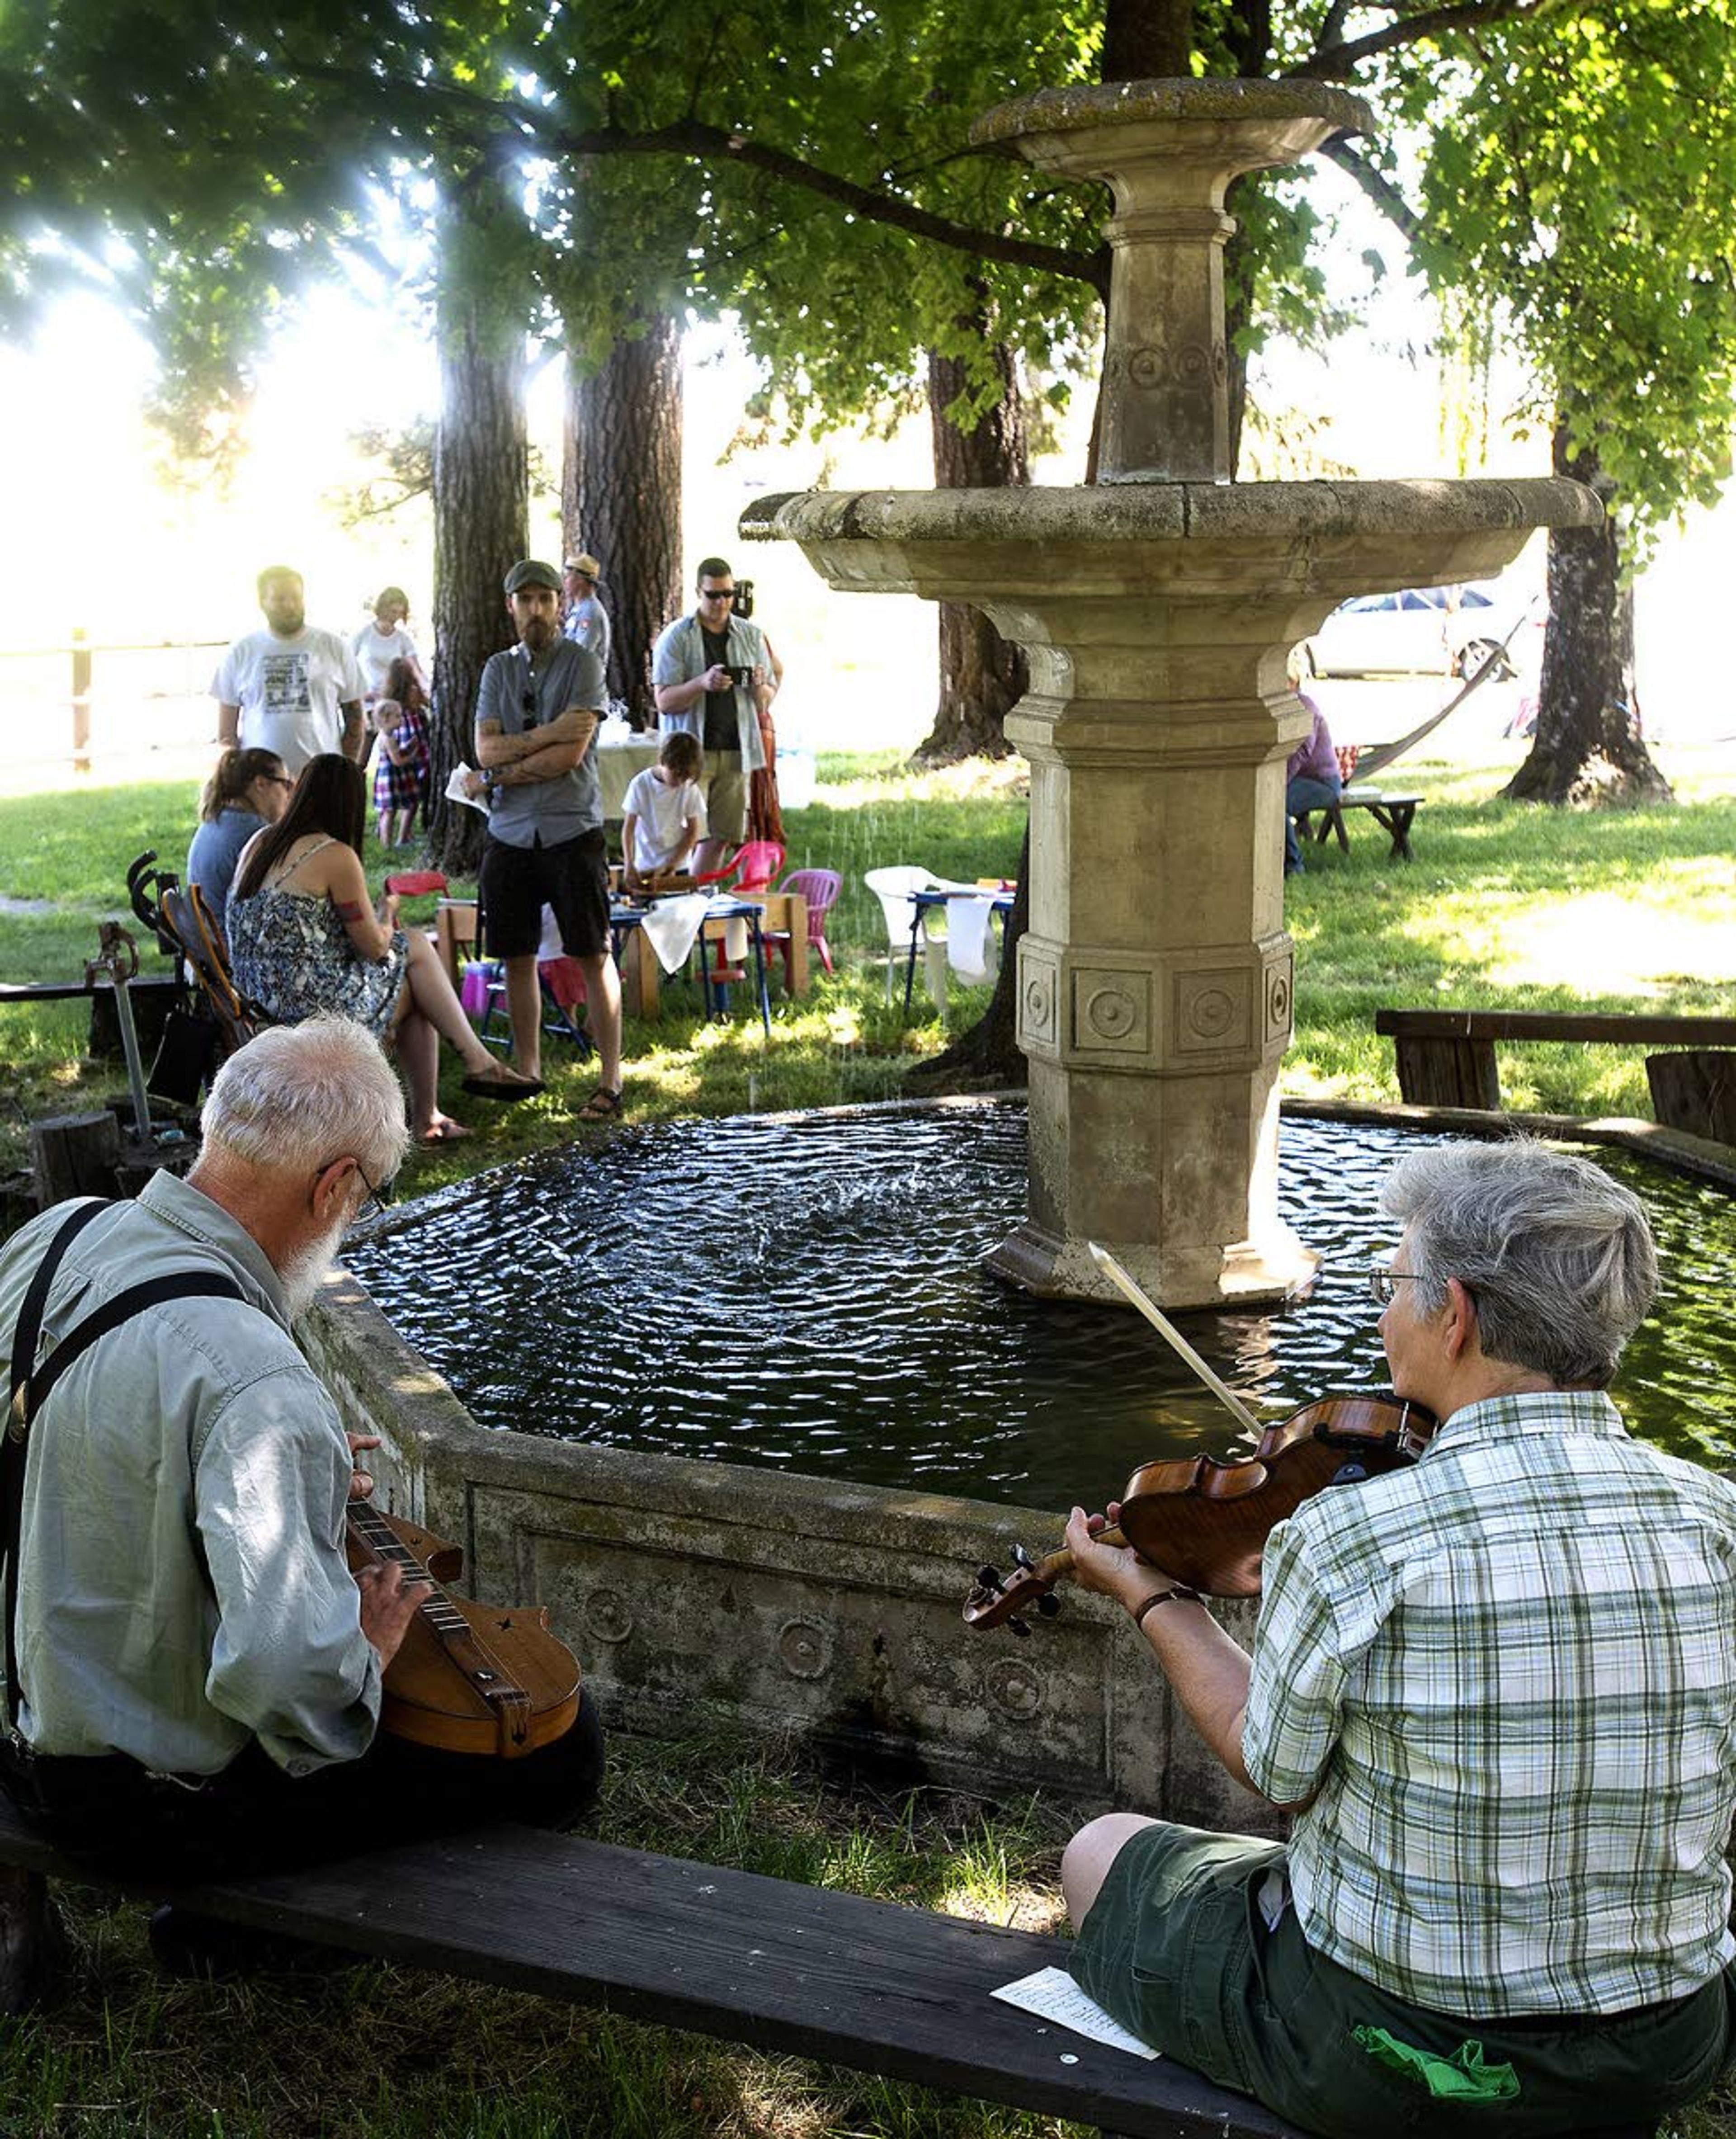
[[290, 688], [663, 816]]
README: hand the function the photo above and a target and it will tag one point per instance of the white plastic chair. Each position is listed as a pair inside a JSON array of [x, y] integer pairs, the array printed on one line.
[[892, 887]]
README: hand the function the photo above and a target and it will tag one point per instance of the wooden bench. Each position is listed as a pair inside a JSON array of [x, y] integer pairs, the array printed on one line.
[[800, 1970], [1446, 1058], [1394, 814]]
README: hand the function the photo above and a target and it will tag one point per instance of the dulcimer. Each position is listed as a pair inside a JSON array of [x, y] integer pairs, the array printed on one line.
[[1204, 1521], [486, 1679]]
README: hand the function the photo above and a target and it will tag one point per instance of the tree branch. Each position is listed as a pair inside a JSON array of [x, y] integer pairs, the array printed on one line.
[[1378, 187], [694, 138], [1337, 63]]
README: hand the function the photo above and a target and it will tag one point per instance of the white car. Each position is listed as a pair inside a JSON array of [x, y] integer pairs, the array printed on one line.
[[1422, 631]]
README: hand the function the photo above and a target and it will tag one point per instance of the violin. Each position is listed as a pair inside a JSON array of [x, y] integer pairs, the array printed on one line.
[[486, 1679], [1205, 1521]]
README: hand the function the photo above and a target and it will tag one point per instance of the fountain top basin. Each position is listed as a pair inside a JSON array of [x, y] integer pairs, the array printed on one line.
[[1222, 102], [1327, 538]]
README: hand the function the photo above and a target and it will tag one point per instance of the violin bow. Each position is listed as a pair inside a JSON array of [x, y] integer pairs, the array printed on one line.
[[1134, 1293]]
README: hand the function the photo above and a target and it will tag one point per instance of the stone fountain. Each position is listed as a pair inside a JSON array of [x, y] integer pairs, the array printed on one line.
[[1157, 607]]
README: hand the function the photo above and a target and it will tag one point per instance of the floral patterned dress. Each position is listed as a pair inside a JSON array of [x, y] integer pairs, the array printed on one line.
[[291, 954]]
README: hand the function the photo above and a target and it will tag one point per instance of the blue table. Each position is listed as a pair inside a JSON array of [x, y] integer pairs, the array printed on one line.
[[624, 918], [923, 903]]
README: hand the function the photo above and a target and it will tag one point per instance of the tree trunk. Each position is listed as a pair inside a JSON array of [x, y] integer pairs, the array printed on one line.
[[1587, 749], [983, 677], [620, 497], [481, 486], [1147, 40]]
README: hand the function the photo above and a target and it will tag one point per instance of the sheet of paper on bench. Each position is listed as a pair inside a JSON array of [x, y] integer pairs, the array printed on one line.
[[1053, 1994]]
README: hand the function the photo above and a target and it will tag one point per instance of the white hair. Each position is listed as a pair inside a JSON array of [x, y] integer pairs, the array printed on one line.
[[299, 1096], [1558, 1259]]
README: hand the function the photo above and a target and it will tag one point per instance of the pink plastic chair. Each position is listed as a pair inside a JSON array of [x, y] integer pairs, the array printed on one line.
[[820, 888], [754, 865]]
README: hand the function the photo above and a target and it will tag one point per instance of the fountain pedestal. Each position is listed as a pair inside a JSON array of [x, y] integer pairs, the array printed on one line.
[[1155, 981]]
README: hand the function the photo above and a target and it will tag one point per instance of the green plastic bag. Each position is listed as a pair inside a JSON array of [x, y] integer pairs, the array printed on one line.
[[1461, 2078]]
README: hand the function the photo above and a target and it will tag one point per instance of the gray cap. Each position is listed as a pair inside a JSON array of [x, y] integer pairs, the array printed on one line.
[[532, 572]]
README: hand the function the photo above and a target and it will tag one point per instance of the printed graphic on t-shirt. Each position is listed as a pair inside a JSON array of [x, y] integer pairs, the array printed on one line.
[[284, 677]]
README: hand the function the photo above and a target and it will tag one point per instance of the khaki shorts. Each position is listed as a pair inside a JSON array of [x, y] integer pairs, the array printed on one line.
[[725, 796], [1178, 1947]]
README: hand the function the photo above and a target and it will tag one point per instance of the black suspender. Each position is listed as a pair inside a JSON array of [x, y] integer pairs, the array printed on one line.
[[30, 1385]]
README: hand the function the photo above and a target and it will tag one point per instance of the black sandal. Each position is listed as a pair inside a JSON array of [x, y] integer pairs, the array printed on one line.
[[601, 1106], [497, 1088]]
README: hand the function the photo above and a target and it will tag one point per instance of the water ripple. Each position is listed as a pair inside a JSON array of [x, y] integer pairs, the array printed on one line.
[[807, 1294]]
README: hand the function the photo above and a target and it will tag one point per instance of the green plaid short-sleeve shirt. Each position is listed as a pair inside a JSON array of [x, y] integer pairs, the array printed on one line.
[[1509, 1672]]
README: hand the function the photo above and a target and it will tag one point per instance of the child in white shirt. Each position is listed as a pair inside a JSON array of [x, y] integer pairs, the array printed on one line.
[[664, 812]]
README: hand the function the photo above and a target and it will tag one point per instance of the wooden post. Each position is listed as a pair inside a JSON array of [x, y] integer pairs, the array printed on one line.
[[1447, 1073], [1694, 1090], [73, 1155], [81, 700]]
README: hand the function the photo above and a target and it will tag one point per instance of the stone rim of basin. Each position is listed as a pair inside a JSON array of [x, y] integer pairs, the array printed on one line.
[[1226, 98]]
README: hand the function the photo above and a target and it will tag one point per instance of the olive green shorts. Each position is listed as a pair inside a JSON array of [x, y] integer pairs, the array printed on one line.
[[1179, 1948]]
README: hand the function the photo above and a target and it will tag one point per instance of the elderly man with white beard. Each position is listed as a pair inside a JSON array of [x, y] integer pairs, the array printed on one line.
[[193, 1672]]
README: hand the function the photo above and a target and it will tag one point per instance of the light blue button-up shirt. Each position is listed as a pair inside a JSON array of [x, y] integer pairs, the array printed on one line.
[[182, 1583]]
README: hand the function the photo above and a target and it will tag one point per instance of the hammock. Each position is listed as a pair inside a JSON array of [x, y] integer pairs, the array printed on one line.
[[1384, 754]]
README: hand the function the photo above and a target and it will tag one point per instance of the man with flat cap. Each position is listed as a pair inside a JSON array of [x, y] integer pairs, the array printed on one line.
[[536, 723], [587, 620]]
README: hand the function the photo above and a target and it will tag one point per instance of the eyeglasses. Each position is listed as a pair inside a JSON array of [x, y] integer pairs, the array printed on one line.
[[716, 594], [378, 1199], [1381, 1282], [277, 779]]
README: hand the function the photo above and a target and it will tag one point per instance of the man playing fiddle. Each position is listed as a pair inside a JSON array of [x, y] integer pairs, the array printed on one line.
[[1498, 1691]]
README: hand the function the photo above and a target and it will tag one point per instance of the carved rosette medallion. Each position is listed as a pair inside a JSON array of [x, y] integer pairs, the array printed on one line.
[[1014, 1689], [805, 1649], [1038, 994], [606, 1616]]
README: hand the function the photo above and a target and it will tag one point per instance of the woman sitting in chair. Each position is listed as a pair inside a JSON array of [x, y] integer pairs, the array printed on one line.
[[247, 790], [304, 937]]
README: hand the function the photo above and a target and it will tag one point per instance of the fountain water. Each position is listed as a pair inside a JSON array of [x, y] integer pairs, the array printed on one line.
[[1157, 607]]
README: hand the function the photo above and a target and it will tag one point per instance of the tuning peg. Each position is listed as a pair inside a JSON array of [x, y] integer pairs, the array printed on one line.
[[989, 1578], [1350, 1473], [1049, 1605], [1019, 1627], [1021, 1558]]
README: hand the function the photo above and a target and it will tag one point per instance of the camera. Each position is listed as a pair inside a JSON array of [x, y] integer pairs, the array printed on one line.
[[740, 677], [744, 602]]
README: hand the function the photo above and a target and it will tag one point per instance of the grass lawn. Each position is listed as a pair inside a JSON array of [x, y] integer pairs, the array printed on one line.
[[1503, 907]]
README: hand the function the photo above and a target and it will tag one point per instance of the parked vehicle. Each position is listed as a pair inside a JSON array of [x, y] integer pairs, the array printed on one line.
[[1421, 631]]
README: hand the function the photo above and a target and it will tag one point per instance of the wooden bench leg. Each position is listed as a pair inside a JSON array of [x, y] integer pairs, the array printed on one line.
[[32, 1943], [1396, 818], [1448, 1073]]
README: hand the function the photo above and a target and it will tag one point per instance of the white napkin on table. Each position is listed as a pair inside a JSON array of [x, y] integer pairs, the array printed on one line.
[[672, 924], [967, 932]]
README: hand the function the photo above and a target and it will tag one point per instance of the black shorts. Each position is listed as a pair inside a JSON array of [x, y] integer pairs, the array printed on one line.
[[516, 883]]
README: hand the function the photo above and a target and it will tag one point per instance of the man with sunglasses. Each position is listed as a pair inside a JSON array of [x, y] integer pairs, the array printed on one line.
[[715, 673], [1497, 1691], [537, 715]]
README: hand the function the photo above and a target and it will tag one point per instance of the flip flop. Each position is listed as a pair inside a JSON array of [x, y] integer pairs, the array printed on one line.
[[497, 1088], [601, 1106]]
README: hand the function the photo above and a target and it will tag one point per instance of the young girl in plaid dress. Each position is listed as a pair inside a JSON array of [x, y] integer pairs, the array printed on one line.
[[400, 721]]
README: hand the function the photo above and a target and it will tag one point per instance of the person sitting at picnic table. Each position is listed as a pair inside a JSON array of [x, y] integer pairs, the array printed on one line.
[[247, 789], [1311, 782], [1497, 1689], [663, 815], [303, 938], [400, 721]]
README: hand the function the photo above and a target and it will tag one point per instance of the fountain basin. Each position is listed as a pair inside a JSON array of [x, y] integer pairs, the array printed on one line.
[[830, 1604]]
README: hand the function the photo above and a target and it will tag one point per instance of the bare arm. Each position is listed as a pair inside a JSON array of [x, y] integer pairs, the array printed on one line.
[[682, 698], [337, 872], [568, 733], [228, 726], [766, 686], [351, 709], [1207, 1672]]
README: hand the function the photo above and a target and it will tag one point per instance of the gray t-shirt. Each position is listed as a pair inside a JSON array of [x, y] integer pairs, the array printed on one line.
[[545, 812]]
